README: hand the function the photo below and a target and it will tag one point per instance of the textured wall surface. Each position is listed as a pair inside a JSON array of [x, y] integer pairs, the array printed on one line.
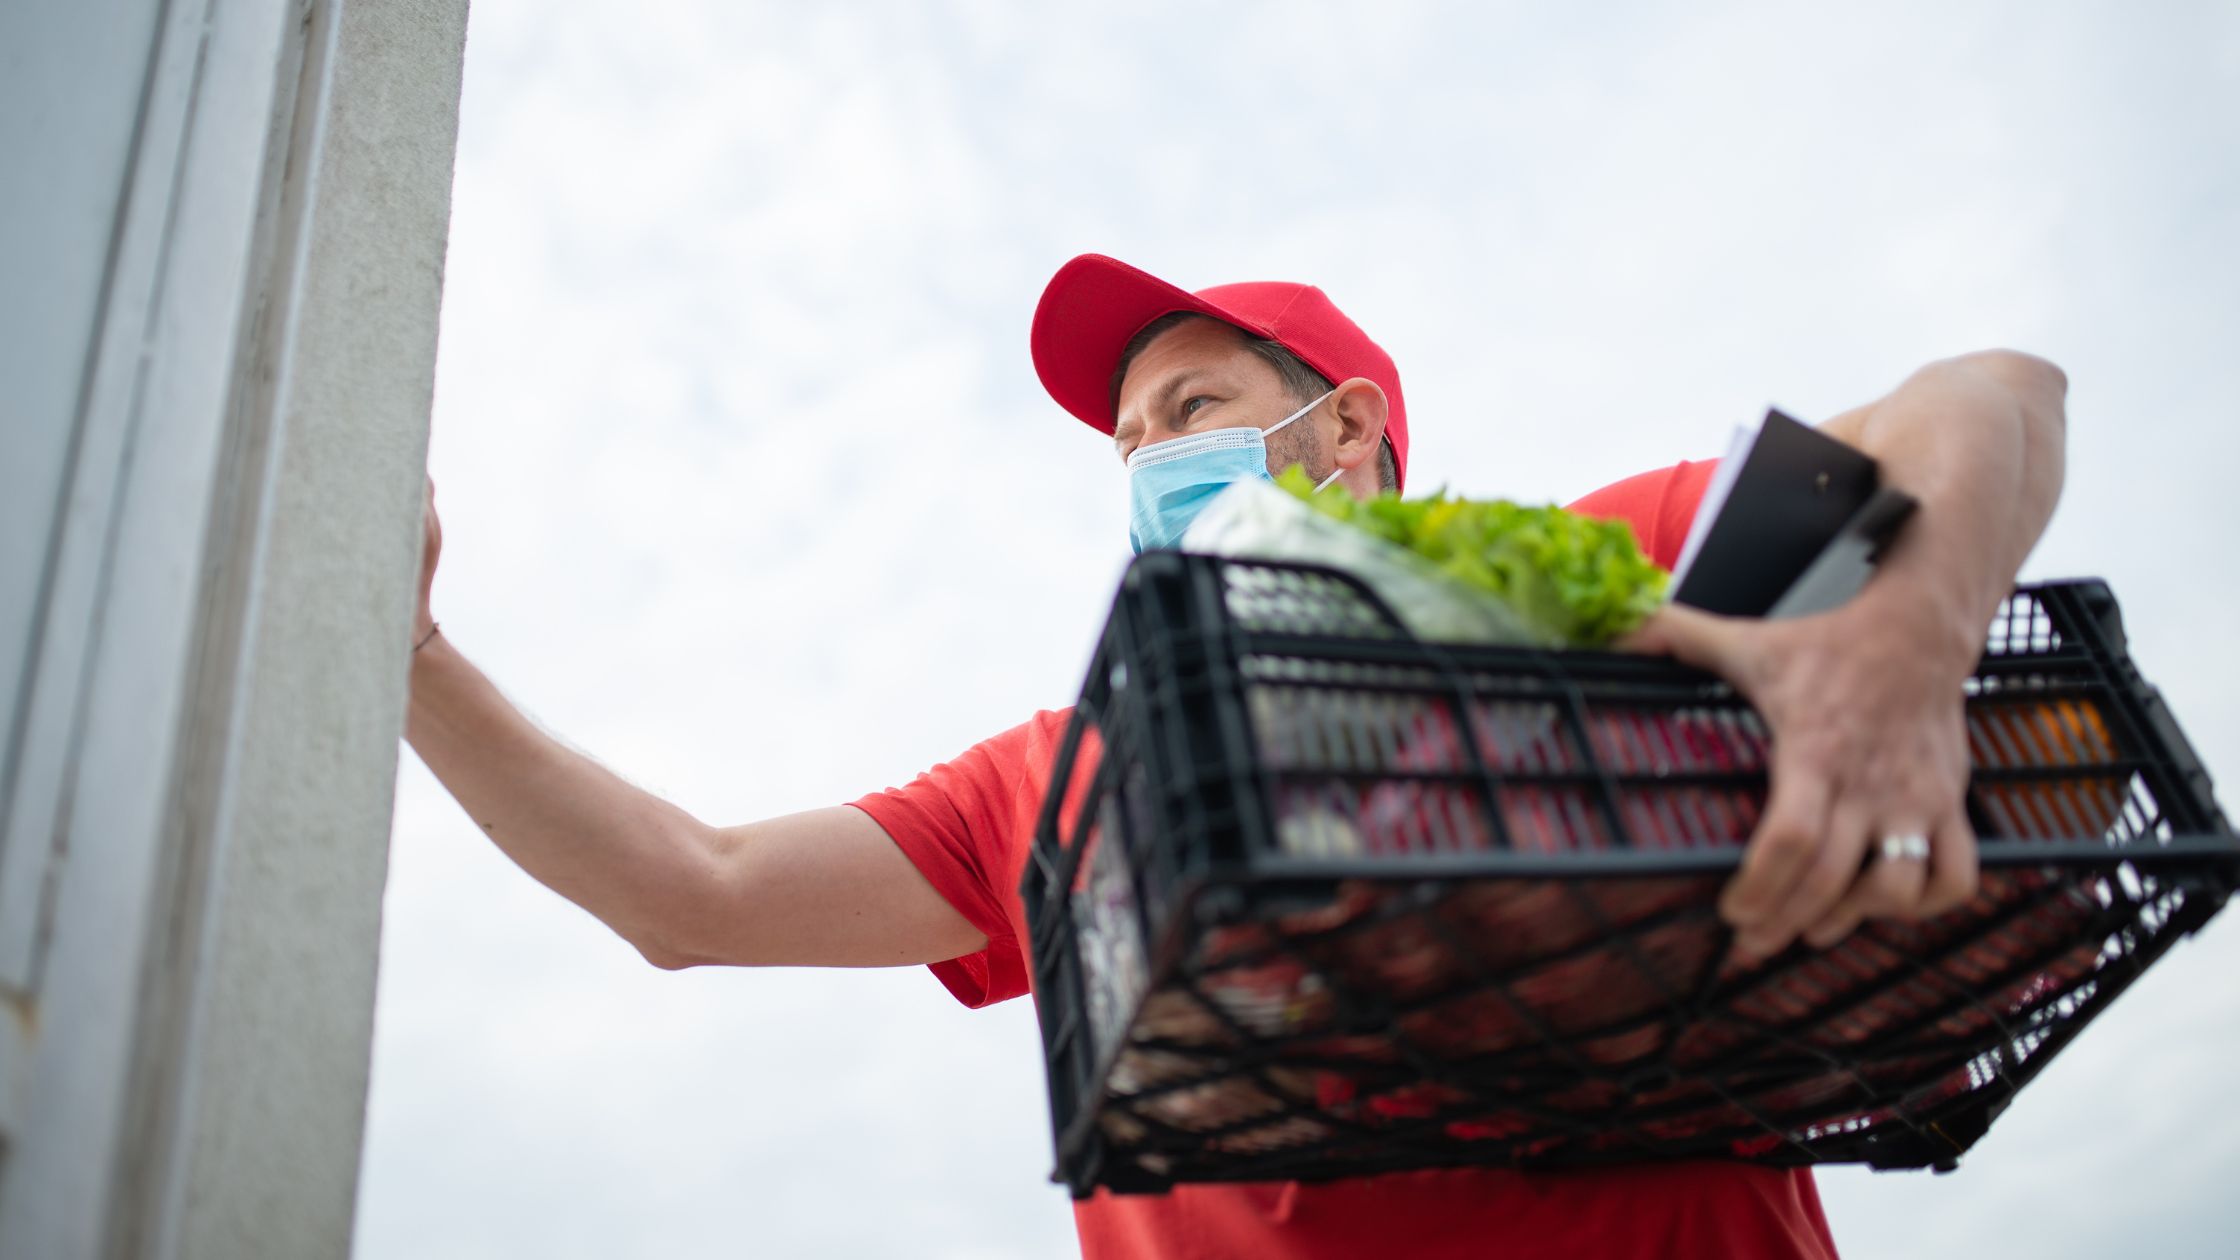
[[270, 1145], [233, 275]]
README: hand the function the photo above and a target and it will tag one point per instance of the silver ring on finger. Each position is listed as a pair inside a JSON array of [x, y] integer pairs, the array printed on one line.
[[1905, 846]]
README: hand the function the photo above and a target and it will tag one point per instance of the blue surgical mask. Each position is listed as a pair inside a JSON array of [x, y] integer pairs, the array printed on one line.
[[1171, 482]]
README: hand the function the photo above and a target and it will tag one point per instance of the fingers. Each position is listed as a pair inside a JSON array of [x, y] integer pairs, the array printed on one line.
[[1890, 887], [431, 553], [1821, 888], [1692, 636], [1906, 888], [431, 526], [1783, 852], [1952, 865], [1820, 885]]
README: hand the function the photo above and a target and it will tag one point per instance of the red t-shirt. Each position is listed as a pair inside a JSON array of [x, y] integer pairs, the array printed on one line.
[[968, 826]]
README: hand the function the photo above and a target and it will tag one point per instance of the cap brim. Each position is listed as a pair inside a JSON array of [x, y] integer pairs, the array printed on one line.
[[1089, 311]]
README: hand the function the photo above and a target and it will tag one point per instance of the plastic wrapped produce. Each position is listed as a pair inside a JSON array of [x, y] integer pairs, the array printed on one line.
[[1452, 570]]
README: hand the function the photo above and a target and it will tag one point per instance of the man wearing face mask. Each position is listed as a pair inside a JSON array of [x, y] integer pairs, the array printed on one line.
[[1199, 390]]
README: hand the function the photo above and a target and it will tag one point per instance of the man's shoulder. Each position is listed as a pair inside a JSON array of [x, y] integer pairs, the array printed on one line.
[[1025, 749], [1659, 505]]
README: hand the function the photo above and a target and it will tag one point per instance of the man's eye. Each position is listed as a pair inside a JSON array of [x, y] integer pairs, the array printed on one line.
[[1190, 406]]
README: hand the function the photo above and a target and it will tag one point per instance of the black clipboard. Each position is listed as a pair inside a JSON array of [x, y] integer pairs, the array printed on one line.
[[1793, 524]]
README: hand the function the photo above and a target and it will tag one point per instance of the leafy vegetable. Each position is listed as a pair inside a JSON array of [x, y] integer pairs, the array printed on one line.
[[1579, 581]]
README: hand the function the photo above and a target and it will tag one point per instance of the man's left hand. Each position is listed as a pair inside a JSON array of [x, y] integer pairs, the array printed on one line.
[[1864, 704]]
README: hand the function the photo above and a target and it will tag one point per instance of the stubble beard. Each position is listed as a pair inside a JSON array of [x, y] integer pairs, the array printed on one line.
[[1301, 444]]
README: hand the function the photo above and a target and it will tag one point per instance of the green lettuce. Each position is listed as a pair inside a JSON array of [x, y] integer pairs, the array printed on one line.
[[1576, 580]]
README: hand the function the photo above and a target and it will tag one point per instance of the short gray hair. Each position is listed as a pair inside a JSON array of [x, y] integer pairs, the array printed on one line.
[[1301, 381]]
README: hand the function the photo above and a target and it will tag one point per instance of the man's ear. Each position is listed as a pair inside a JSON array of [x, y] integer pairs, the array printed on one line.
[[1361, 409]]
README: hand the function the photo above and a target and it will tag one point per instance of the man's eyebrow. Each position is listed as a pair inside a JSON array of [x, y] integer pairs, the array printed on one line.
[[1162, 398]]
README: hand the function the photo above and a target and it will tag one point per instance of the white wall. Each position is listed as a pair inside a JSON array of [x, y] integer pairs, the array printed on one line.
[[219, 300]]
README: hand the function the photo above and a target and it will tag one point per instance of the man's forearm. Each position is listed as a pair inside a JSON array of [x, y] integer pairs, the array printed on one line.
[[1979, 441], [616, 850]]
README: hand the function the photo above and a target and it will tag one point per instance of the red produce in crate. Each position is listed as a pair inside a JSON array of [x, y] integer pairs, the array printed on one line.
[[1494, 1128], [1359, 1024], [1398, 961], [1281, 997], [1474, 1024]]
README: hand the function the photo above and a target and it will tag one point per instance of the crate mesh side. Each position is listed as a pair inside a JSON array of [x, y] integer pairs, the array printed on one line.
[[1349, 1023]]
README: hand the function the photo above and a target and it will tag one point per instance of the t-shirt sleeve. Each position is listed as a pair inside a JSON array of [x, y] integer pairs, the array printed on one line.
[[1659, 505], [952, 823]]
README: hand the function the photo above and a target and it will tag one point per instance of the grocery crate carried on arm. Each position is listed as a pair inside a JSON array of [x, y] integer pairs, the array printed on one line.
[[1312, 898]]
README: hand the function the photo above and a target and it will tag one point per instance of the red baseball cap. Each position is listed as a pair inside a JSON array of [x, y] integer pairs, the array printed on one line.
[[1095, 304]]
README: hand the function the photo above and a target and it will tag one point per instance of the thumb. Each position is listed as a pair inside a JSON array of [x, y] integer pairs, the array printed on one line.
[[1689, 635]]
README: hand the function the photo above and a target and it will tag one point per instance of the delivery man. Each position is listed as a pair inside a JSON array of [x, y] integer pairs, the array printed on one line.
[[1196, 390]]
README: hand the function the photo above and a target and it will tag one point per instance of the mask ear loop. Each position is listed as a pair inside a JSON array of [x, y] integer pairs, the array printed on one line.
[[1296, 414], [1335, 473]]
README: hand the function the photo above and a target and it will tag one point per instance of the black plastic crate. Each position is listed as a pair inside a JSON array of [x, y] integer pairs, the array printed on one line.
[[1320, 900]]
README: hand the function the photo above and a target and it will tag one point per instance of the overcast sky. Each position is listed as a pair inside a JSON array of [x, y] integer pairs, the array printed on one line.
[[749, 490]]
